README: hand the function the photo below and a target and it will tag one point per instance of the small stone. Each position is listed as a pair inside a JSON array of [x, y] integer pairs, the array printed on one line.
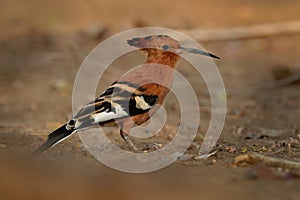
[[59, 85]]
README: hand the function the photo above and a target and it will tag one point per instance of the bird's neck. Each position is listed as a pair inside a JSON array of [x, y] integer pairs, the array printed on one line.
[[162, 57]]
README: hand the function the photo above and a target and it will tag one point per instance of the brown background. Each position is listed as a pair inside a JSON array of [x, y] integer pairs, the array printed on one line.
[[42, 44]]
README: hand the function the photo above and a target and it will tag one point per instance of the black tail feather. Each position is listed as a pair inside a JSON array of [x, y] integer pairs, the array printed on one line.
[[53, 138]]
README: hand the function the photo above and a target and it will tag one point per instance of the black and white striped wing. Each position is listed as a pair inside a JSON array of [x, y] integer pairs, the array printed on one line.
[[120, 100]]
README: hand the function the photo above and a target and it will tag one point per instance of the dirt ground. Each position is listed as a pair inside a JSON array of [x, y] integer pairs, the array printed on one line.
[[41, 47]]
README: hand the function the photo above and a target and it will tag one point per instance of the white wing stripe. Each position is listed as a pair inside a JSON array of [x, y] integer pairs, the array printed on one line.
[[141, 103], [106, 116]]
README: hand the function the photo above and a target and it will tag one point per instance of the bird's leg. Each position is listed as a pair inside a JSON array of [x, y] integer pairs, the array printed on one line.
[[124, 132], [126, 138], [152, 146], [147, 147]]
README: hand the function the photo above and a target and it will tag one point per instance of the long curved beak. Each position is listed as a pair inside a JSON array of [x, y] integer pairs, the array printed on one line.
[[197, 51]]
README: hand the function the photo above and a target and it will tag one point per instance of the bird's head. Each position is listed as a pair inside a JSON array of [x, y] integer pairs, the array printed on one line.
[[165, 43]]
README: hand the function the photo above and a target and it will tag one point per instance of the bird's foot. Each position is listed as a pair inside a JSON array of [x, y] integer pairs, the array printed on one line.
[[146, 147], [151, 147]]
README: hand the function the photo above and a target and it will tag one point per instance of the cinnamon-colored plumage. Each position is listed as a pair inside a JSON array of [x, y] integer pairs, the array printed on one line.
[[135, 97]]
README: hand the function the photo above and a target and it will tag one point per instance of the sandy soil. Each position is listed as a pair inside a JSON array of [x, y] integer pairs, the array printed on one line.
[[41, 47]]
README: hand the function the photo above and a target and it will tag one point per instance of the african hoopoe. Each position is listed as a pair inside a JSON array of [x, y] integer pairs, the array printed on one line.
[[132, 99]]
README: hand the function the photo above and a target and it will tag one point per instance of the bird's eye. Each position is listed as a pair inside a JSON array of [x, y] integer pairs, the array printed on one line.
[[165, 47]]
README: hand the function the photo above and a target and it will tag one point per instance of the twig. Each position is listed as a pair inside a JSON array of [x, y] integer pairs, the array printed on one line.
[[254, 158], [204, 156], [280, 83], [75, 54], [270, 85], [276, 152], [12, 127], [239, 33]]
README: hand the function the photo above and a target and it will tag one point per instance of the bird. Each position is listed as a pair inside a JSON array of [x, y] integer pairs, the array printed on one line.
[[132, 99]]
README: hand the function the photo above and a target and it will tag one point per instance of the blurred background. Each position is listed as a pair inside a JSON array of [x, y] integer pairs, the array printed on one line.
[[42, 44]]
